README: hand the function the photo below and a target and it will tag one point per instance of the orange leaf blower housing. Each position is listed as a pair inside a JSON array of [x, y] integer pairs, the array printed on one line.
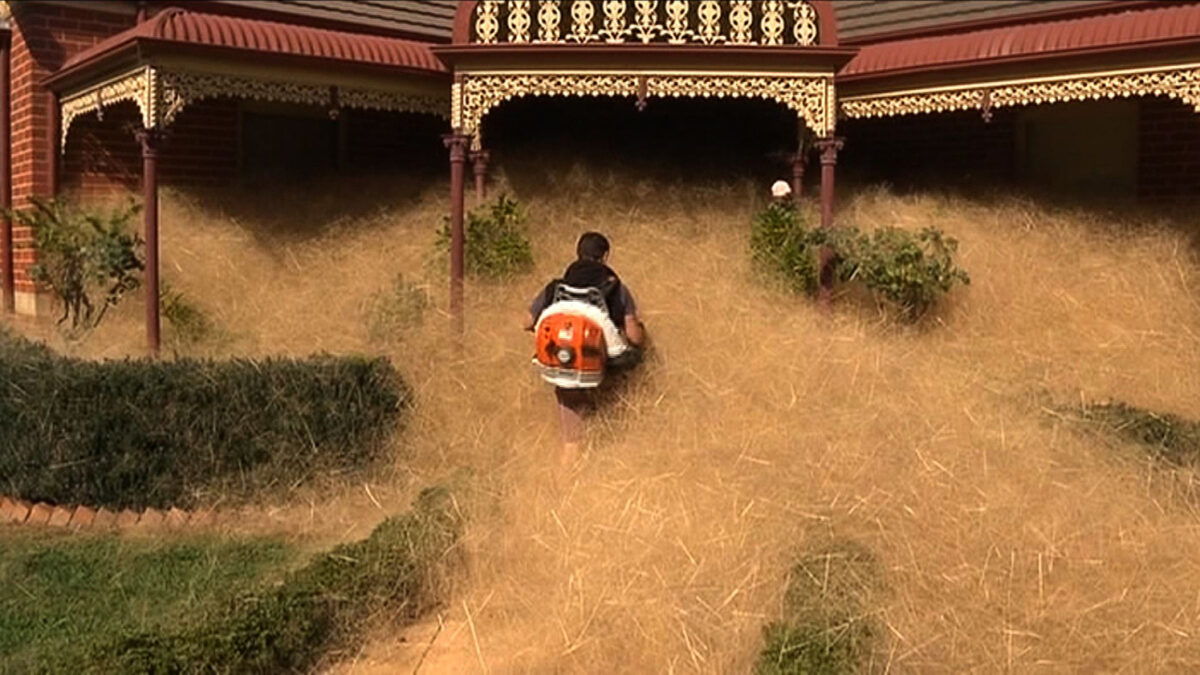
[[571, 351]]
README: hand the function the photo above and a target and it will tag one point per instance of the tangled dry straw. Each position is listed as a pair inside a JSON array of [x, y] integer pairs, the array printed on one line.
[[1006, 540]]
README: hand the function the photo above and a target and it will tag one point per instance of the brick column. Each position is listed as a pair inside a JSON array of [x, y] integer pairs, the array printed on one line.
[[44, 36]]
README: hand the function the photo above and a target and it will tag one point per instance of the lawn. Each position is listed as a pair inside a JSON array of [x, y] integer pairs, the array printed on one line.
[[66, 593]]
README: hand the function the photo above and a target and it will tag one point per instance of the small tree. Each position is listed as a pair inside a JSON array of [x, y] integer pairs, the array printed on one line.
[[89, 260]]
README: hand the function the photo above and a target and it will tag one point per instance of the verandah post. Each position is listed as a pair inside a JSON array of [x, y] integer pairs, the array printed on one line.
[[829, 147], [798, 162], [479, 162], [457, 143], [150, 140]]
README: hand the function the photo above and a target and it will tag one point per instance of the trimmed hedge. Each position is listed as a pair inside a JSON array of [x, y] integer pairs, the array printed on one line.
[[139, 433], [317, 614]]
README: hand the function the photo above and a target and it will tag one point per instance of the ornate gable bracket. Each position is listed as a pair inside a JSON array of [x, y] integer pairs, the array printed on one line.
[[162, 94], [1177, 82], [812, 97]]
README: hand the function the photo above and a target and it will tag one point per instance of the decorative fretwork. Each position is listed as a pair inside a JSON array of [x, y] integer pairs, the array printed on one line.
[[518, 20], [772, 22], [804, 23], [647, 26], [162, 94], [676, 28], [179, 89], [709, 14], [741, 20], [1181, 83], [810, 96], [709, 22], [487, 21], [391, 101], [614, 21], [135, 86], [549, 18], [582, 15]]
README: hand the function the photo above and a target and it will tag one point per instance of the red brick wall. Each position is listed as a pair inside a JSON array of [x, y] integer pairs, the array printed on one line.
[[43, 37], [102, 155], [930, 149], [1169, 160]]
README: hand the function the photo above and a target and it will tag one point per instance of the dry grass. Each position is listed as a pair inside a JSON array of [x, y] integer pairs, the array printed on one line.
[[1005, 539]]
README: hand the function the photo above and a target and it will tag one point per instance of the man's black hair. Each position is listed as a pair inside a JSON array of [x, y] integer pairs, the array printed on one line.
[[592, 246]]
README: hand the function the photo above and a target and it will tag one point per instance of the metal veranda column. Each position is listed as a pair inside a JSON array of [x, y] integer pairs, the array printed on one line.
[[150, 140], [53, 140], [829, 147], [457, 143], [798, 163], [6, 233], [479, 162]]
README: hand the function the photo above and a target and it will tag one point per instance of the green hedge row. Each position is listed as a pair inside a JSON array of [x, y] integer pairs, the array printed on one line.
[[317, 614], [140, 433]]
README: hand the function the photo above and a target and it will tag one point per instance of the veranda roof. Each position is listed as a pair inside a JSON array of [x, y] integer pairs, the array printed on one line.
[[179, 57], [1133, 35], [179, 31]]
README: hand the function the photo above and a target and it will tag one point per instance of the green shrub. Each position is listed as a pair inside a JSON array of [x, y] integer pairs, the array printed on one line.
[[187, 321], [82, 254], [823, 628], [909, 271], [139, 433], [496, 245], [398, 308], [316, 614], [781, 241]]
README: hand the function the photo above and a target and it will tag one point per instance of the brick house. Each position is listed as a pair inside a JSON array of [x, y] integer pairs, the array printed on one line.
[[1081, 95]]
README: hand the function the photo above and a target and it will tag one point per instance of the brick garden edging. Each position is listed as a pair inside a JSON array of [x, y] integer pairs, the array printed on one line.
[[21, 512]]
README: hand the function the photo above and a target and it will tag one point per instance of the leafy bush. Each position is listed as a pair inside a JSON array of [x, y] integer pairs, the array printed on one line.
[[315, 614], [910, 271], [396, 309], [823, 628], [138, 433], [186, 319], [496, 245], [80, 254], [781, 240]]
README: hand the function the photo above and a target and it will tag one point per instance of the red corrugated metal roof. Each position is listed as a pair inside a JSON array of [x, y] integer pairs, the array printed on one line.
[[1109, 31], [194, 29]]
